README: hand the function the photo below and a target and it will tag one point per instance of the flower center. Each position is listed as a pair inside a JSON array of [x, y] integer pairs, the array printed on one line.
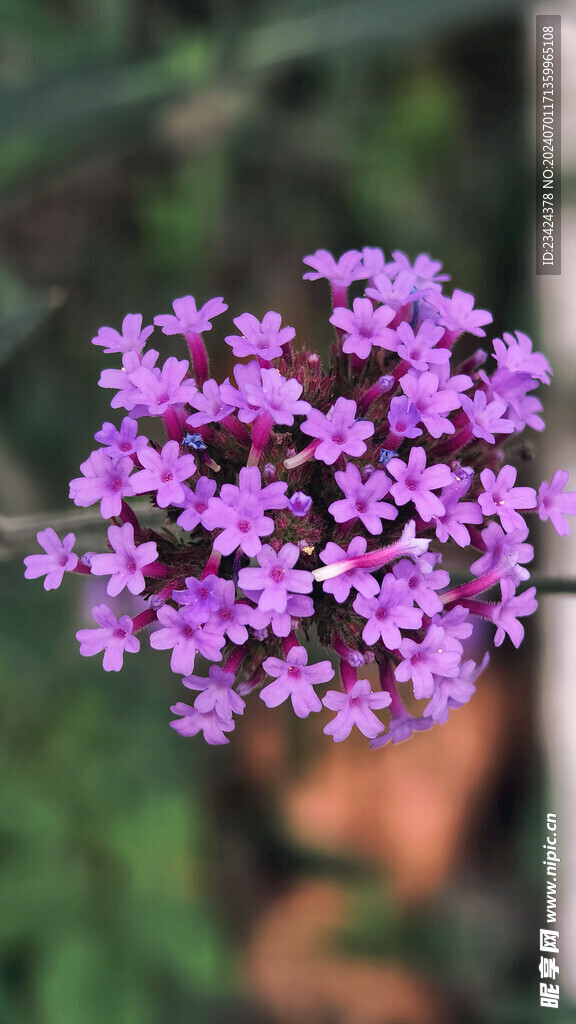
[[244, 526], [188, 632], [337, 439], [166, 477], [381, 613], [360, 506], [131, 565], [294, 672], [277, 574], [119, 634], [201, 507]]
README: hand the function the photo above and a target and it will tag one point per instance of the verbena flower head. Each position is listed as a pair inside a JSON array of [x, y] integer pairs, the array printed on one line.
[[318, 502]]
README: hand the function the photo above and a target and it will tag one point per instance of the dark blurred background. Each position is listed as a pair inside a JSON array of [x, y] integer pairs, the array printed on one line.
[[151, 149]]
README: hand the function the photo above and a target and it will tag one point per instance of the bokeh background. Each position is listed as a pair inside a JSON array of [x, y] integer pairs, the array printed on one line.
[[155, 148]]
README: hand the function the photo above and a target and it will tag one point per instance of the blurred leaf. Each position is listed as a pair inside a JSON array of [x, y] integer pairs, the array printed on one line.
[[83, 979], [22, 309], [49, 122], [364, 22]]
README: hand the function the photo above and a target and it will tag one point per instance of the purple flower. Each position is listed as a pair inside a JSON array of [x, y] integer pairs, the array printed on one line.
[[296, 679], [59, 558], [415, 482], [422, 661], [338, 432], [231, 616], [238, 511], [362, 500], [157, 389], [263, 339], [196, 503], [364, 327], [200, 597], [281, 623], [105, 480], [392, 610], [453, 692], [355, 709], [420, 349], [276, 578], [519, 358], [425, 270], [122, 442], [360, 579], [188, 319], [457, 512], [300, 504], [505, 615], [131, 339], [164, 472], [456, 625], [512, 389], [458, 314], [501, 498], [340, 274], [210, 405], [505, 550], [423, 581], [553, 504], [185, 638], [124, 566], [403, 418], [397, 294], [401, 727], [373, 260], [208, 723], [113, 637], [486, 418], [217, 693], [423, 390], [127, 392], [264, 390]]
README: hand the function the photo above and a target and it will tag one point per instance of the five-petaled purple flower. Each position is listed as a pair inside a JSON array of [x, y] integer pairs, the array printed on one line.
[[363, 500], [415, 482], [296, 679], [339, 432], [113, 636], [239, 512], [59, 558], [364, 327], [126, 564], [355, 708], [187, 318], [263, 339], [276, 578], [164, 473]]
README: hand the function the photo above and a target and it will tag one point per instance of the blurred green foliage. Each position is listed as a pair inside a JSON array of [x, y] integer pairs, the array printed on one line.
[[149, 149]]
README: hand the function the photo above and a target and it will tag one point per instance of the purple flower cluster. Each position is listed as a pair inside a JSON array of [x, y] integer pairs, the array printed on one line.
[[304, 501]]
